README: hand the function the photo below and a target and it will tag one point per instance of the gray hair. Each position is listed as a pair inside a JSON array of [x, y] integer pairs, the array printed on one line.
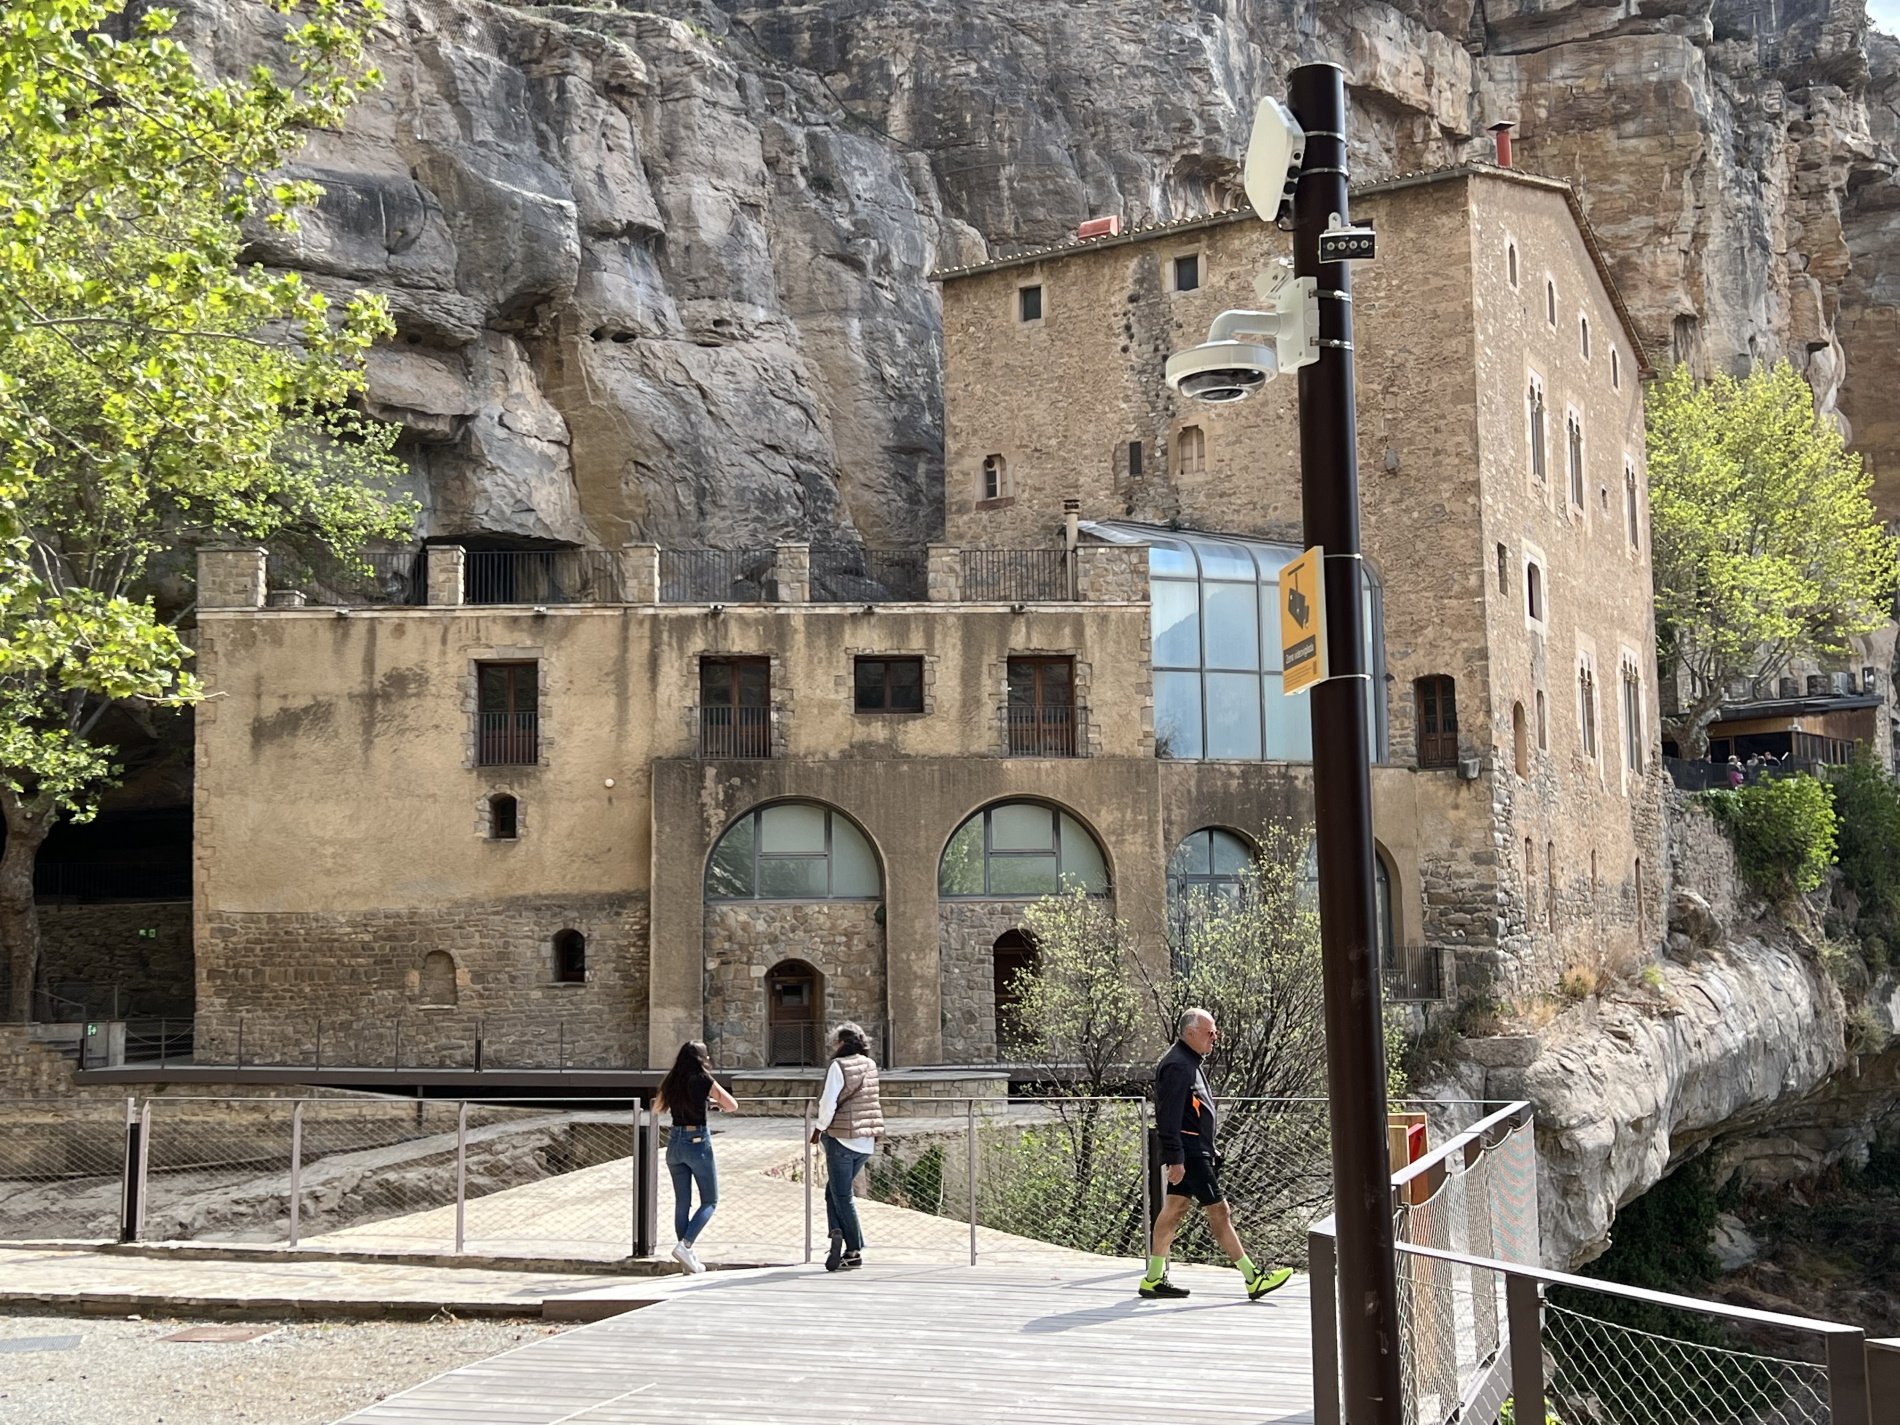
[[1191, 1017], [852, 1030]]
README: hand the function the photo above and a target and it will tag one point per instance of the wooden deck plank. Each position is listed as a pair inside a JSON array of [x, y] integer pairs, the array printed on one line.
[[977, 1346]]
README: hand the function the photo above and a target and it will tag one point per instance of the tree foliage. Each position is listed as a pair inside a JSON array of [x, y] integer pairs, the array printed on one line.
[[1784, 830], [1867, 807], [154, 389], [1765, 542]]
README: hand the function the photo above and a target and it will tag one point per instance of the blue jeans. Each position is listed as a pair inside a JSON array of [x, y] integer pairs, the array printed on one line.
[[689, 1159], [841, 1208]]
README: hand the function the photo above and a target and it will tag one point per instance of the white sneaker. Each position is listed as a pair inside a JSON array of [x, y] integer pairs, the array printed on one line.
[[683, 1254]]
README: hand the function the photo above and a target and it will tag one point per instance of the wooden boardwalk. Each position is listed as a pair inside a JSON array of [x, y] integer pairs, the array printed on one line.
[[899, 1346]]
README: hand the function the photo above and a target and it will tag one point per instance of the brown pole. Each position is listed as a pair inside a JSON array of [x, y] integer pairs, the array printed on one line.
[[1342, 781]]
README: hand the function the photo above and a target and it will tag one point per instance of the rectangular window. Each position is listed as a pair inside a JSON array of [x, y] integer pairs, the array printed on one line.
[[1534, 402], [1630, 513], [888, 685], [1134, 460], [735, 707], [1573, 433], [1192, 443], [1587, 708], [1438, 722], [1632, 720], [1041, 711], [1029, 303], [1187, 272], [507, 714], [1504, 576]]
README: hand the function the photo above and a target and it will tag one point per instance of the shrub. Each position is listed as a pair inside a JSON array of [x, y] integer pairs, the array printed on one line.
[[1867, 805], [1784, 832]]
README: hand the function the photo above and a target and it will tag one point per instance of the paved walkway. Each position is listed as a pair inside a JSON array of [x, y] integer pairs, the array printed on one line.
[[73, 1281], [896, 1345]]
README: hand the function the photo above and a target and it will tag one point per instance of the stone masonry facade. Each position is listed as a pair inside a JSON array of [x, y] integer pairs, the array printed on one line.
[[842, 940]]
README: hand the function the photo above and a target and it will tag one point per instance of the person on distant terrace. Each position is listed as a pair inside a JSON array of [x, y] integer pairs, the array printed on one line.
[[686, 1092], [1185, 1122], [850, 1121]]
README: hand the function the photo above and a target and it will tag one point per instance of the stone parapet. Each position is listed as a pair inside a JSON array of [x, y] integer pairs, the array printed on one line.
[[231, 577], [1111, 573], [448, 568], [943, 573], [791, 571], [640, 573]]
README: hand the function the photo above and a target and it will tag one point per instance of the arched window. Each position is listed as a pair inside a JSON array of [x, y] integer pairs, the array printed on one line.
[[1012, 956], [794, 1003], [1616, 371], [437, 984], [1642, 910], [1573, 441], [1520, 741], [1543, 723], [1192, 443], [1211, 863], [570, 957], [1510, 262], [1535, 413], [503, 817], [995, 477], [1550, 302], [1534, 591], [1583, 336], [1550, 883], [1530, 880], [792, 851], [1021, 849]]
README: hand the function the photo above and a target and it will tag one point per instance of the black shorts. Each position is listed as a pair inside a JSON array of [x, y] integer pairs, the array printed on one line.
[[1201, 1181]]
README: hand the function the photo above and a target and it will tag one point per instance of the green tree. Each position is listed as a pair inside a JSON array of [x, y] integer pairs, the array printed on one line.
[[1784, 830], [1867, 807], [154, 390], [1764, 540]]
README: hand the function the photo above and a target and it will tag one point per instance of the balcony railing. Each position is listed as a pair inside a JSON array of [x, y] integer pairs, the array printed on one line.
[[735, 732], [1414, 974], [510, 739], [718, 576], [371, 578], [541, 576], [851, 574], [1046, 730], [1016, 576]]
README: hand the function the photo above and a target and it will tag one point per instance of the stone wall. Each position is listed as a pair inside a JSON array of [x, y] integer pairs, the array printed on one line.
[[355, 981], [970, 931], [842, 940], [89, 950]]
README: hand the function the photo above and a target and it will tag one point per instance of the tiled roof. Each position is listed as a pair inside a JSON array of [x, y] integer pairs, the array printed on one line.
[[1145, 231]]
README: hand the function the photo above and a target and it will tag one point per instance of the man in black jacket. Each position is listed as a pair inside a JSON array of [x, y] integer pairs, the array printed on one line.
[[1186, 1123]]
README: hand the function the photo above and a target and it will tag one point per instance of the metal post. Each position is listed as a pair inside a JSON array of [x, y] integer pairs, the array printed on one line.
[[1323, 1305], [561, 1039], [1883, 1381], [129, 1183], [163, 1045], [145, 1168], [1847, 1394], [461, 1177], [1342, 781], [1147, 1190], [296, 1167], [646, 1227], [1524, 1315], [240, 1043], [396, 1057], [319, 1041], [808, 1169], [969, 1152]]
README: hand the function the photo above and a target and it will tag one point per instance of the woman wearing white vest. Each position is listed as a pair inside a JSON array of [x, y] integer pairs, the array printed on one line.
[[850, 1121]]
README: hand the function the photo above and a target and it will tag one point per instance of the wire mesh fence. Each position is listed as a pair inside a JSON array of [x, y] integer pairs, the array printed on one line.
[[61, 1169], [1603, 1373], [216, 1170]]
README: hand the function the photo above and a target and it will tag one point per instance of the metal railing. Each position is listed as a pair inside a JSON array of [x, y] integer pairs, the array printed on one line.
[[510, 739], [371, 578], [88, 881], [1414, 974], [851, 574], [1045, 730], [541, 576], [719, 576], [1016, 576], [735, 732]]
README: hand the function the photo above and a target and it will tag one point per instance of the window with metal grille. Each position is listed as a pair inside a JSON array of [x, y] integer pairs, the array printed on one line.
[[888, 685], [570, 958], [507, 714], [1041, 711], [1029, 303], [1437, 721], [735, 707]]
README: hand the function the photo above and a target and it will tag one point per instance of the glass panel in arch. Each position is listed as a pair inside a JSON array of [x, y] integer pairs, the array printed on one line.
[[1022, 826], [1233, 715], [1270, 626], [1382, 907], [793, 878], [1225, 561], [1023, 876], [1178, 715], [1192, 857], [730, 874], [1166, 556], [1233, 627], [1082, 862], [1289, 724], [1228, 854], [853, 866], [1272, 558], [793, 827], [961, 873], [1176, 615]]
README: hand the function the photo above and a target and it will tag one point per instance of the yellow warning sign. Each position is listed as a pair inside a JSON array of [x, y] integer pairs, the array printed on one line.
[[1303, 621]]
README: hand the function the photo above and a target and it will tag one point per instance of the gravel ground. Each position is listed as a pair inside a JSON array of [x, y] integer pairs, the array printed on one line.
[[304, 1373]]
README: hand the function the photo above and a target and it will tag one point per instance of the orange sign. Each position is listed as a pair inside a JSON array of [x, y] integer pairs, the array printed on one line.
[[1303, 621]]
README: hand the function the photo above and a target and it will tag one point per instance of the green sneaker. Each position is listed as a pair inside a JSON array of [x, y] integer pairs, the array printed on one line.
[[1163, 1290], [1264, 1282]]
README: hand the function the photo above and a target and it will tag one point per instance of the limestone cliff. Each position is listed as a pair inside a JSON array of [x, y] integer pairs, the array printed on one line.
[[662, 275]]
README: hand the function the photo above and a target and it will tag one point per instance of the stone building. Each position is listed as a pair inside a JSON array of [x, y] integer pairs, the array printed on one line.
[[589, 804]]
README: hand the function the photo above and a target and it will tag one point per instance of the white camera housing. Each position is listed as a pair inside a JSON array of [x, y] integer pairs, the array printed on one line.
[[1217, 372], [1275, 150], [1245, 350]]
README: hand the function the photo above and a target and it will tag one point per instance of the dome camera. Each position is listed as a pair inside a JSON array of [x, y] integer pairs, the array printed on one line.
[[1217, 372]]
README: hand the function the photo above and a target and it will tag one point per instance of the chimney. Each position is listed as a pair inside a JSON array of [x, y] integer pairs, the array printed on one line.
[[1099, 227], [1501, 131], [1071, 523]]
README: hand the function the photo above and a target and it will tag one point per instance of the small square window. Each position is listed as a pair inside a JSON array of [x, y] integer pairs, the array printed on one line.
[[1187, 272], [1029, 303], [888, 685]]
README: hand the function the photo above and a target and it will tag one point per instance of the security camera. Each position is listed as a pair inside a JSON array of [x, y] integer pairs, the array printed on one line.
[[1245, 350], [1220, 371], [1275, 151]]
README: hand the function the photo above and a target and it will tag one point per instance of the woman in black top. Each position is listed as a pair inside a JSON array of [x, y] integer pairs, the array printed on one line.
[[686, 1092]]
